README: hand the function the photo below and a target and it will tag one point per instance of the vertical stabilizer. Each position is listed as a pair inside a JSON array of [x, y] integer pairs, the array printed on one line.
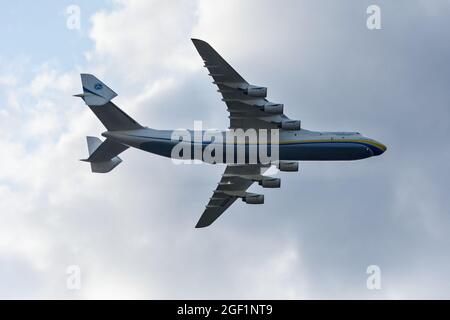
[[98, 96]]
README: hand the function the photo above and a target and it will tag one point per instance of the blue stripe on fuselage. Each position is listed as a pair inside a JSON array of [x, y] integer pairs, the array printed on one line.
[[375, 150], [296, 151]]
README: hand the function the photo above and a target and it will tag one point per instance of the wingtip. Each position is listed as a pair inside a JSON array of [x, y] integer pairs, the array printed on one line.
[[198, 41], [201, 225]]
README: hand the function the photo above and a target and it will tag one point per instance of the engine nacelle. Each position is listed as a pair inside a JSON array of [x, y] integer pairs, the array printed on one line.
[[257, 92], [270, 183], [290, 125], [287, 166], [254, 199], [273, 108]]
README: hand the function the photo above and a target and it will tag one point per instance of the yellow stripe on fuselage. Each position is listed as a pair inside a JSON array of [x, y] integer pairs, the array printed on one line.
[[370, 142], [365, 141]]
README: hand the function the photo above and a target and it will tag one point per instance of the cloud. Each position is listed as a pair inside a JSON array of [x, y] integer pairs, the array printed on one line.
[[131, 231], [149, 36], [8, 80]]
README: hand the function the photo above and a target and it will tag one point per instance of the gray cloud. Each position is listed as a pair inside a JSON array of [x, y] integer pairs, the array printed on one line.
[[132, 231]]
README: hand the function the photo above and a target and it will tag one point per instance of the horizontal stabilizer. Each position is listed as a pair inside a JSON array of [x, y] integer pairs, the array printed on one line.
[[103, 156]]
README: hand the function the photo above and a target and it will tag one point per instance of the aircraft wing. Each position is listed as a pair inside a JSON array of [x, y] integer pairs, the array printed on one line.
[[234, 184], [246, 103]]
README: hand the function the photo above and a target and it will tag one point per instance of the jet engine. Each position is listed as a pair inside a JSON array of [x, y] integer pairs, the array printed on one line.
[[270, 183], [290, 125], [287, 166], [257, 92], [254, 199], [273, 108]]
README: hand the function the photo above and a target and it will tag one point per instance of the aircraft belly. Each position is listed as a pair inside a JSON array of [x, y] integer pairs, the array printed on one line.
[[324, 151], [229, 152], [159, 147], [296, 152]]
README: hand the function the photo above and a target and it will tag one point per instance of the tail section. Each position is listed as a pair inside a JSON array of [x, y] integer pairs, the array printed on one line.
[[103, 156], [98, 96], [95, 92]]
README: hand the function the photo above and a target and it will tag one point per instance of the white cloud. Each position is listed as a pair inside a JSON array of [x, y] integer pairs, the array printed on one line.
[[131, 231], [149, 37], [8, 80]]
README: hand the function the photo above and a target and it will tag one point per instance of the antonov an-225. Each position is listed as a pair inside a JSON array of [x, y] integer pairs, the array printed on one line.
[[248, 109]]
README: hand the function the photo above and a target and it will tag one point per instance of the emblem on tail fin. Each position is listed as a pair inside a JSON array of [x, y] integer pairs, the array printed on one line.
[[98, 96], [95, 92]]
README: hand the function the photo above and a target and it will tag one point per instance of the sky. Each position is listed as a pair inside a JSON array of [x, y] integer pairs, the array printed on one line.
[[131, 232]]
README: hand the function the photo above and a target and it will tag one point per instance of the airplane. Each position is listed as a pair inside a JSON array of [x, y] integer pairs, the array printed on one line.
[[248, 109]]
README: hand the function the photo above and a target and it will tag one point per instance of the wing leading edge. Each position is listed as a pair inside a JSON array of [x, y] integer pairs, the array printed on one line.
[[247, 104]]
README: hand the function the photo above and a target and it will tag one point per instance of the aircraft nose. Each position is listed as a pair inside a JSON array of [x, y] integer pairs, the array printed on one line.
[[381, 148]]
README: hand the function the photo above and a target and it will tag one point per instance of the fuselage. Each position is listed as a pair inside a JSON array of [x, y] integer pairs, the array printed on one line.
[[301, 145]]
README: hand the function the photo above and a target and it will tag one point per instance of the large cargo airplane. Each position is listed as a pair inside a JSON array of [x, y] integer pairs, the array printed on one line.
[[248, 109]]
